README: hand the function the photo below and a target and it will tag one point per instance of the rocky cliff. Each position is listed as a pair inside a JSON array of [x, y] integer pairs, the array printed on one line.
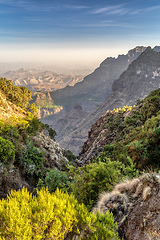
[[15, 176], [96, 86], [141, 77]]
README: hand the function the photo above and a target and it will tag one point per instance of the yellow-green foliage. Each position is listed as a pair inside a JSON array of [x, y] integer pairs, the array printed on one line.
[[51, 216], [45, 216], [124, 109]]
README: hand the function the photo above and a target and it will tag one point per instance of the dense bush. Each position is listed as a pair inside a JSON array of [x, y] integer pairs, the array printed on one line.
[[136, 137], [51, 216], [32, 160], [90, 180], [56, 179], [52, 132], [69, 155], [7, 153]]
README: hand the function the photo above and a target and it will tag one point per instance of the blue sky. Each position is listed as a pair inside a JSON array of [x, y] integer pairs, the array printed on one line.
[[75, 30]]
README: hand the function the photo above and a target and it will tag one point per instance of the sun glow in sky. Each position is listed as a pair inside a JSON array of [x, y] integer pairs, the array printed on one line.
[[75, 31]]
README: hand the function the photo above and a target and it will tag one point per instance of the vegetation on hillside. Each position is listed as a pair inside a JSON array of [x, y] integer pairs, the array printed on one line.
[[137, 138], [71, 195], [16, 146]]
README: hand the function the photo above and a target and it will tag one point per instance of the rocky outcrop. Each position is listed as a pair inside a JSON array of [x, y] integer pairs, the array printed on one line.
[[136, 207], [14, 177], [54, 155]]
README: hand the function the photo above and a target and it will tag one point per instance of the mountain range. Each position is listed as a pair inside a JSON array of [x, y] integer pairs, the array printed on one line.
[[35, 80]]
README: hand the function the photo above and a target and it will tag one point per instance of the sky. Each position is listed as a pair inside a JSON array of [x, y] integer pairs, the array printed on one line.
[[75, 31]]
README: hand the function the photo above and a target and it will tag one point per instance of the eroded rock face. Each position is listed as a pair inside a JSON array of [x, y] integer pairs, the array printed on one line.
[[14, 176], [54, 156], [136, 207]]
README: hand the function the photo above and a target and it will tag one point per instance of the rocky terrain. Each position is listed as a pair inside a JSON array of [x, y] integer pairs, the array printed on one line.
[[134, 203], [17, 178], [141, 77], [136, 207], [41, 81]]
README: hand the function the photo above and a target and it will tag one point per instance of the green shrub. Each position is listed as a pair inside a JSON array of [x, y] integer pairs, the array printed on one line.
[[90, 180], [69, 155], [7, 153], [52, 133], [32, 160], [56, 179], [103, 222]]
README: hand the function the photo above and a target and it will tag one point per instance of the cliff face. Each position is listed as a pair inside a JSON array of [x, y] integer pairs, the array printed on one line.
[[15, 177], [141, 77]]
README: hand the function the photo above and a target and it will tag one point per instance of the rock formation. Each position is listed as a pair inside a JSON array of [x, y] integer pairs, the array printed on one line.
[[135, 205]]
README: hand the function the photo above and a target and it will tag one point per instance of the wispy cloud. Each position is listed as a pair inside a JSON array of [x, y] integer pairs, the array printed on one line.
[[75, 7], [145, 10], [45, 7], [111, 10], [97, 25]]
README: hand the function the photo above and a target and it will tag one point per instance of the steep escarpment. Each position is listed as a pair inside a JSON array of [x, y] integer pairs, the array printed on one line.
[[96, 86], [141, 77], [130, 133]]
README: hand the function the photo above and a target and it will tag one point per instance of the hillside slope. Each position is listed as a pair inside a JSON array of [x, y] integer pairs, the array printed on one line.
[[28, 151], [8, 109]]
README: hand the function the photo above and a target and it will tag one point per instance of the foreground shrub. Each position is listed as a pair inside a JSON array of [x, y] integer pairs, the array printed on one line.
[[51, 216]]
